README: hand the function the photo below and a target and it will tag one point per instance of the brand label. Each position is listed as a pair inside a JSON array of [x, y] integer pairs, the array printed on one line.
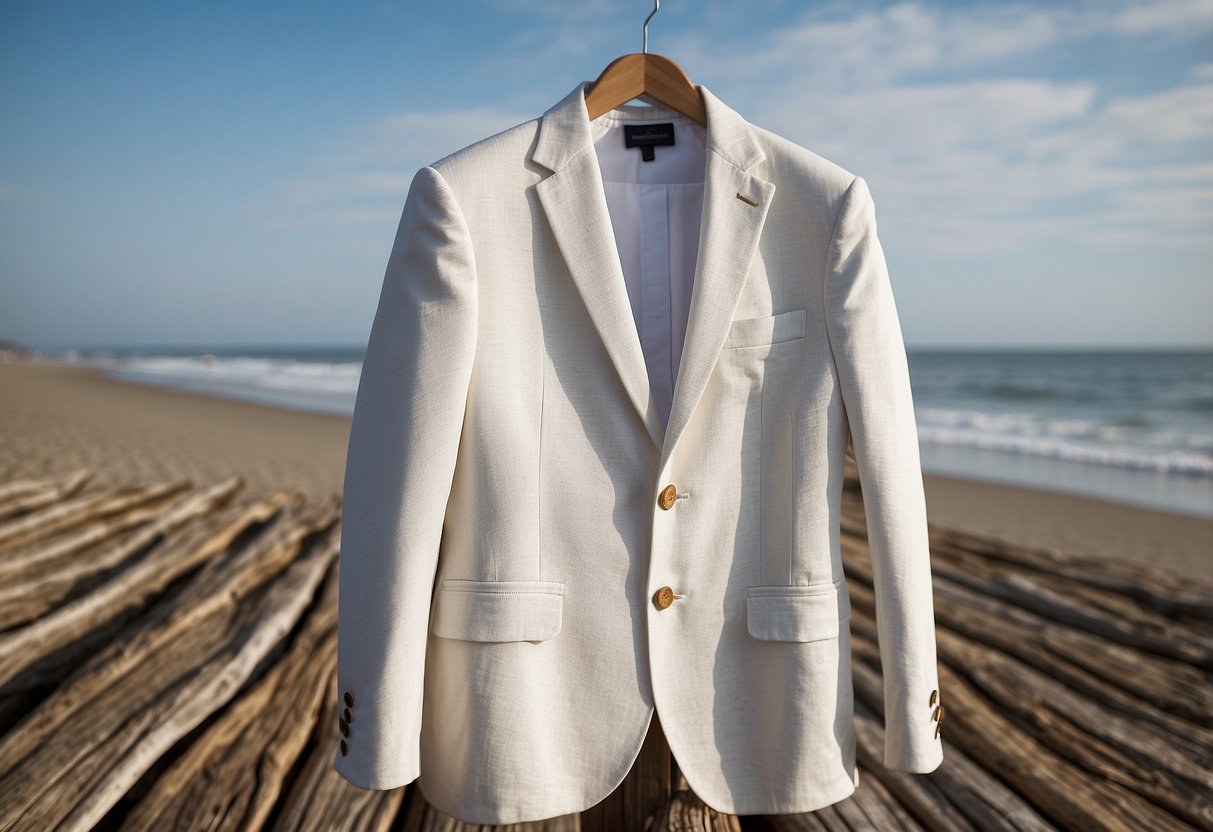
[[648, 136]]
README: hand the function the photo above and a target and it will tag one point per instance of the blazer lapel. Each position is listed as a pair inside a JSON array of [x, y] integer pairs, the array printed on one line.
[[574, 202]]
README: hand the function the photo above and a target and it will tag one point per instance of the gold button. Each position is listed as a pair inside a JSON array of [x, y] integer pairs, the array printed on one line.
[[344, 748], [349, 699], [668, 495], [934, 694], [938, 714], [664, 597], [937, 725]]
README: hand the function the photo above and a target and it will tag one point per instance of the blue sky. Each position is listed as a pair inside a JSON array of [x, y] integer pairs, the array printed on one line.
[[223, 173]]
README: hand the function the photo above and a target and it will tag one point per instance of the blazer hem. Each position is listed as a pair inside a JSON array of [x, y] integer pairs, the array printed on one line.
[[523, 813], [832, 793]]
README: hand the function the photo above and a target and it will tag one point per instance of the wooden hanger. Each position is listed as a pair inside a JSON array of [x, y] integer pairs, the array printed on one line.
[[640, 74]]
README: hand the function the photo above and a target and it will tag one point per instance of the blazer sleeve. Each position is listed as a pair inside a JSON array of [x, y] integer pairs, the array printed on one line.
[[403, 442], [873, 374]]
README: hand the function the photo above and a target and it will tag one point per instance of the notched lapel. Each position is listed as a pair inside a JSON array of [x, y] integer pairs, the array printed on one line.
[[574, 200], [728, 239], [575, 204]]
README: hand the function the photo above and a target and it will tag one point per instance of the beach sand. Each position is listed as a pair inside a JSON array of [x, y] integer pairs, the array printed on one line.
[[55, 419]]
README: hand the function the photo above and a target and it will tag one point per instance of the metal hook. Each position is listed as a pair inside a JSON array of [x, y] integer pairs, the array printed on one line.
[[656, 6]]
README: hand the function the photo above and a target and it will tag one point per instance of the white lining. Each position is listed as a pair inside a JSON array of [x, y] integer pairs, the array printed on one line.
[[656, 209]]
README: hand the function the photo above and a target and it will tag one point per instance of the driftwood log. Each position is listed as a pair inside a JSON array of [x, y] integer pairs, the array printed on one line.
[[168, 661]]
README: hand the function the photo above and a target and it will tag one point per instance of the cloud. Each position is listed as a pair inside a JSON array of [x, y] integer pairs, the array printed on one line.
[[1002, 160], [1178, 17], [856, 46], [970, 138], [362, 177], [970, 123]]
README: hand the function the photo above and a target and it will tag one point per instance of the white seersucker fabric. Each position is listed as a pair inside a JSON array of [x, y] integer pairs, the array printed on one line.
[[502, 535]]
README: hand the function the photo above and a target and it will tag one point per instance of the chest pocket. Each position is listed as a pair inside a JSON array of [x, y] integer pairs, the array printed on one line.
[[766, 330]]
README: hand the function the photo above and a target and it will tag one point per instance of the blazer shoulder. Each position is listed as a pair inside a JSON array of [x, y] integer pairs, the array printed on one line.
[[789, 163], [486, 160]]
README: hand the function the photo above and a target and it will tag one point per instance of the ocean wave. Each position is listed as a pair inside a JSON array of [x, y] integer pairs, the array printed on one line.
[[285, 374], [1077, 440]]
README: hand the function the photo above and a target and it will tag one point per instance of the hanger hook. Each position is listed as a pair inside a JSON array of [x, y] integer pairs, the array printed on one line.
[[656, 6]]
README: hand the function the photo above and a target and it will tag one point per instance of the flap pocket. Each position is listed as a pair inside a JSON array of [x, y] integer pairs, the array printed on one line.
[[498, 610], [770, 329], [808, 612]]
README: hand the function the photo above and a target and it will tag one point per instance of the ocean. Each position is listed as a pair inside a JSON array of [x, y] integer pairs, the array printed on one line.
[[1132, 426]]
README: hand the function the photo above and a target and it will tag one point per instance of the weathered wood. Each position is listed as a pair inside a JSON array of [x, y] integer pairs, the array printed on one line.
[[1160, 589], [25, 496], [1076, 607], [802, 822], [1170, 694], [1159, 691], [916, 794], [1064, 792], [74, 776], [1097, 738], [174, 627], [420, 816], [21, 647], [75, 562], [1063, 603], [170, 664], [872, 806], [960, 794], [686, 811], [235, 772], [319, 800], [89, 507], [1156, 588], [917, 799], [220, 586], [29, 564]]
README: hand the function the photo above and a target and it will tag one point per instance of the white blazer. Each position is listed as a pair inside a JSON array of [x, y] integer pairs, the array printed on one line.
[[533, 558]]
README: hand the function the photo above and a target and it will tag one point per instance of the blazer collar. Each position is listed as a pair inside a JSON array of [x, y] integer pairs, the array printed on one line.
[[564, 130], [574, 202]]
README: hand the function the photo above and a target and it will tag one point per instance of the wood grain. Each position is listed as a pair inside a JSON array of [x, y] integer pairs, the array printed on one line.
[[168, 658]]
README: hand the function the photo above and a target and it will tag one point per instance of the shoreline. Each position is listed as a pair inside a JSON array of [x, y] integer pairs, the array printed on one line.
[[56, 418]]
